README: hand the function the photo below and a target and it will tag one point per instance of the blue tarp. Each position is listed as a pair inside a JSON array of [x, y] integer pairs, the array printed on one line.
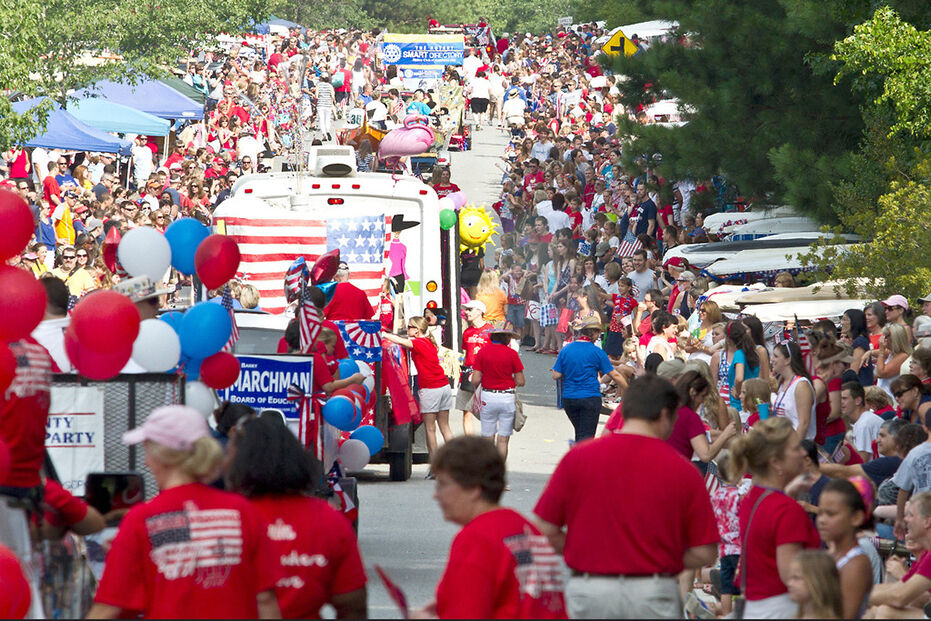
[[150, 96], [64, 131], [114, 117]]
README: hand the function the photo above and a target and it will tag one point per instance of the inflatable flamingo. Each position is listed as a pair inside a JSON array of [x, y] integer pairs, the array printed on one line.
[[412, 139]]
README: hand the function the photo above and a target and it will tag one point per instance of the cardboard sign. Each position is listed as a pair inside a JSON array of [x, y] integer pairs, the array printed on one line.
[[74, 434]]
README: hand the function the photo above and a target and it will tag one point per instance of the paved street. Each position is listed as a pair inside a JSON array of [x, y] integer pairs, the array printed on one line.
[[401, 528]]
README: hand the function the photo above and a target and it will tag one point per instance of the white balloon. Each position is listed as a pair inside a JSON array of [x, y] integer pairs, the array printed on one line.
[[354, 455], [200, 397], [369, 374], [157, 349], [144, 251], [446, 203]]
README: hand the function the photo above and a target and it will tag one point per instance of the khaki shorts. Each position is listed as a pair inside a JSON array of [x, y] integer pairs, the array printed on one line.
[[433, 400], [464, 396]]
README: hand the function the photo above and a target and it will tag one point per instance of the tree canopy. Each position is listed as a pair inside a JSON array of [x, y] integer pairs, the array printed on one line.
[[771, 111]]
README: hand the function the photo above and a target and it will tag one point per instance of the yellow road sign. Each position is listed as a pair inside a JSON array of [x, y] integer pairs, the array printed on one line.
[[618, 44]]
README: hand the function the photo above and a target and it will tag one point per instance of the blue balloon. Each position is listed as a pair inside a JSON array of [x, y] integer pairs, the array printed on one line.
[[191, 367], [347, 368], [205, 329], [341, 413], [184, 236], [328, 288], [173, 319], [371, 436]]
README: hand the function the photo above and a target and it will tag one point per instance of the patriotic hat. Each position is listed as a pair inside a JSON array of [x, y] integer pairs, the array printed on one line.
[[398, 223]]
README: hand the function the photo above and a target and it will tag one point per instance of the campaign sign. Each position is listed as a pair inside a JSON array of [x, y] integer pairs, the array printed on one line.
[[264, 380], [398, 49], [74, 434]]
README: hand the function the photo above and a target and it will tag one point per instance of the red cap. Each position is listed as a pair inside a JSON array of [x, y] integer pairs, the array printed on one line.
[[675, 262]]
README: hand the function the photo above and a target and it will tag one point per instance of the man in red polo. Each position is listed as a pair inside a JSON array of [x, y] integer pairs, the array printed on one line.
[[629, 513], [474, 338]]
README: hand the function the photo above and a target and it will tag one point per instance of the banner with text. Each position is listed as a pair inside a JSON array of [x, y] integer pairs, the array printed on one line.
[[422, 49], [264, 380], [74, 434]]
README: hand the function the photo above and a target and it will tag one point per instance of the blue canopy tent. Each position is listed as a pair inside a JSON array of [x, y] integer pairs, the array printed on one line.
[[152, 96], [263, 28], [114, 117], [64, 131]]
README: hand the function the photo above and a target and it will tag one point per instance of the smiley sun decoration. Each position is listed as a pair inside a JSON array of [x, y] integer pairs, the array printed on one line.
[[475, 227]]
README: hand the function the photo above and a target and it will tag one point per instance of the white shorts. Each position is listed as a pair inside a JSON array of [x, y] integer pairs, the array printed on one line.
[[497, 414], [433, 400]]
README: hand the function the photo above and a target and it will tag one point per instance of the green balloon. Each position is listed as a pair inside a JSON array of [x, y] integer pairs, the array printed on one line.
[[447, 219]]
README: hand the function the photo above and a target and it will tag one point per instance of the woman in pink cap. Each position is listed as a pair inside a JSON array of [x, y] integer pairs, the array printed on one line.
[[896, 308], [193, 550]]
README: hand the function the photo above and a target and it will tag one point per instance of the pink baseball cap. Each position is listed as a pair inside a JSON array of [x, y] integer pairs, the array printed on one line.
[[896, 300], [173, 426]]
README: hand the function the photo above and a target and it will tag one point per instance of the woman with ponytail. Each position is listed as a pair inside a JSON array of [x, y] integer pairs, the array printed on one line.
[[192, 547], [795, 397], [744, 364], [434, 394], [773, 527]]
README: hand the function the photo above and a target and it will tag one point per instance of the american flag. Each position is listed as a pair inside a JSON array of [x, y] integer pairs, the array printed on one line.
[[310, 323], [362, 339], [349, 508], [539, 569], [629, 246], [270, 246], [226, 301], [193, 539]]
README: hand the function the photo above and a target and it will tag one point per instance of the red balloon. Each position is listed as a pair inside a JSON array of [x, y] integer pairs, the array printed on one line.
[[106, 322], [216, 260], [22, 303], [220, 370], [7, 370], [325, 267], [357, 399], [16, 223], [17, 596], [91, 364]]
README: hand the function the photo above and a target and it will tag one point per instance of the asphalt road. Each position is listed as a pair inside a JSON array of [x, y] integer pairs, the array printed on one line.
[[401, 528]]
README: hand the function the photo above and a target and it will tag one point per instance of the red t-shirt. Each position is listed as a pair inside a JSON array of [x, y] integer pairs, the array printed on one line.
[[322, 375], [24, 412], [349, 302], [386, 313], [317, 550], [445, 190], [62, 509], [50, 188], [922, 567], [498, 364], [688, 425], [616, 421], [632, 506], [473, 340], [427, 360], [511, 572], [192, 549], [778, 520], [837, 425], [339, 350]]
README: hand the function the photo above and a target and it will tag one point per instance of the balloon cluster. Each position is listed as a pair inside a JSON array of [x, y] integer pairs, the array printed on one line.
[[344, 410], [449, 205], [106, 329], [22, 297]]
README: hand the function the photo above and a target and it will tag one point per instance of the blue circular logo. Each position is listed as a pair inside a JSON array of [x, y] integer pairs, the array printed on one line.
[[392, 53]]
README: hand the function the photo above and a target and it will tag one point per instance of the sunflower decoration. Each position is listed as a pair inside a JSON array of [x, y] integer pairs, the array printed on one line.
[[475, 227]]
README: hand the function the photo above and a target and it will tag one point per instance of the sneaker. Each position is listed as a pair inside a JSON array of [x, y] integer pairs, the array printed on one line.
[[430, 476]]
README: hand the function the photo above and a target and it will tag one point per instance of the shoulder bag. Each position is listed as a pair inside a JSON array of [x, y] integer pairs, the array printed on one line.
[[740, 603]]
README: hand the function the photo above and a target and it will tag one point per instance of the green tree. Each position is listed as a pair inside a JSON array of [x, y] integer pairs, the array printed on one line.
[[324, 14], [889, 202], [52, 47], [768, 109]]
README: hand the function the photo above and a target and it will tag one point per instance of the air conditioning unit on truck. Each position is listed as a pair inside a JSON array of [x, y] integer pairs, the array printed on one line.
[[278, 217]]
